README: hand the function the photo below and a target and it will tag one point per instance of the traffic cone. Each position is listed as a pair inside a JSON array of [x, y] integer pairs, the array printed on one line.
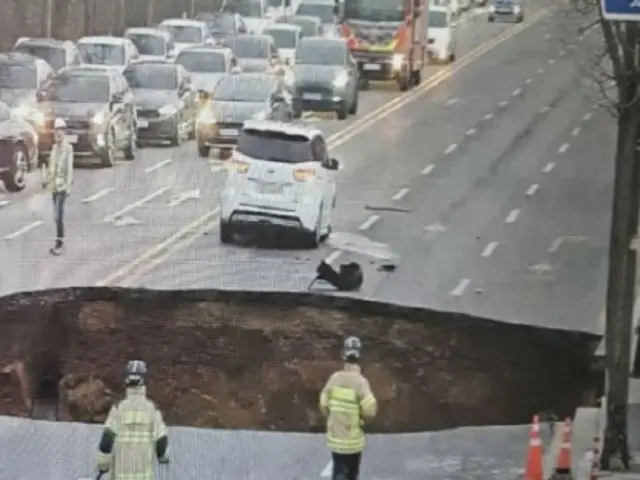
[[595, 460], [563, 464], [533, 468]]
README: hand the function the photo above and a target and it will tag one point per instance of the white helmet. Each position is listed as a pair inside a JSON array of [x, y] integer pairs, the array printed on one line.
[[59, 123]]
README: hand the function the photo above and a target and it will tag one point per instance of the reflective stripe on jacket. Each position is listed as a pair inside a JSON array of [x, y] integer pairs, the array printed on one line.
[[60, 175], [137, 425], [346, 400]]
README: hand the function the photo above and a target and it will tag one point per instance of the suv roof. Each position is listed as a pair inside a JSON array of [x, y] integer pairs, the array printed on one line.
[[283, 127], [87, 70], [52, 42]]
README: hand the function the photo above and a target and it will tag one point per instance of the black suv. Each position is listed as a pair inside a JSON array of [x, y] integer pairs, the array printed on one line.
[[98, 107]]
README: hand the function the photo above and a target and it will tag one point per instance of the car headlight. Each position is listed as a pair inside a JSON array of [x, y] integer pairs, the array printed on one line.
[[492, 9], [206, 117], [341, 80], [397, 61], [167, 110]]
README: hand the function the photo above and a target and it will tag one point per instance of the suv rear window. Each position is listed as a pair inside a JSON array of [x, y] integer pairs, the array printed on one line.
[[275, 146]]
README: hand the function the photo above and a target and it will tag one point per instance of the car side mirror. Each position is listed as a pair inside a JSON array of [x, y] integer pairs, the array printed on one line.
[[332, 164]]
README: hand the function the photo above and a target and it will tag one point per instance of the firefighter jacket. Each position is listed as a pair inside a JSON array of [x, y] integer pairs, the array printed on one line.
[[346, 401], [60, 174], [134, 434]]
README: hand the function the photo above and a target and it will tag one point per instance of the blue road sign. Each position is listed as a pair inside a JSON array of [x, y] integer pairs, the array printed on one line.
[[626, 10]]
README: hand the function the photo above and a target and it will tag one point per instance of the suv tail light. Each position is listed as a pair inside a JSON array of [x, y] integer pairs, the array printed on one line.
[[303, 174], [238, 166]]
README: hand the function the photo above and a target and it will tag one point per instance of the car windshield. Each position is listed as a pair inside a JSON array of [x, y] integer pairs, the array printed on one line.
[[207, 62], [185, 33], [375, 10], [250, 47], [320, 53], [238, 88], [249, 8], [283, 38], [324, 11], [148, 44], [18, 76], [309, 27], [223, 23], [275, 146], [154, 77], [77, 89], [102, 53], [54, 56], [438, 19]]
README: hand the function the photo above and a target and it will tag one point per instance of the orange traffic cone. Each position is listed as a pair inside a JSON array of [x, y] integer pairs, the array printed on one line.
[[563, 464], [533, 468], [595, 460]]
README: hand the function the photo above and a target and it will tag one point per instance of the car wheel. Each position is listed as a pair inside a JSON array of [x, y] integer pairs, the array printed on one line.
[[15, 179], [130, 149], [343, 111], [297, 110], [226, 234], [491, 19], [520, 18], [452, 57], [363, 84], [176, 138], [192, 130], [354, 106], [107, 154], [404, 82], [203, 150]]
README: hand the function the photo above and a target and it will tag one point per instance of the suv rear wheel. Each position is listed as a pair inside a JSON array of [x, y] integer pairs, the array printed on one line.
[[15, 179], [108, 152]]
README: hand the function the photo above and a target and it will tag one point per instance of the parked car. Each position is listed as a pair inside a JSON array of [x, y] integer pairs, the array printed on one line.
[[57, 53], [506, 10], [443, 39], [18, 149]]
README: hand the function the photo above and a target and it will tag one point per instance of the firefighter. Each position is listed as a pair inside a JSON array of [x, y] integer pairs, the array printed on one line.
[[134, 432], [346, 401]]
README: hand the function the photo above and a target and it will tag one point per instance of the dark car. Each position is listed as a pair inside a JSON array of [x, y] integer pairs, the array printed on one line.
[[18, 149], [57, 53], [21, 76], [223, 25], [311, 26], [326, 77], [506, 10], [97, 105], [239, 97], [255, 53], [165, 102]]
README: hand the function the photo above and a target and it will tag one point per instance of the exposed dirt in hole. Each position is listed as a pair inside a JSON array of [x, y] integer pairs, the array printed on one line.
[[244, 362]]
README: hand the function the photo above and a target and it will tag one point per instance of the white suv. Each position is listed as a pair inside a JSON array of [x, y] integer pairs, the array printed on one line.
[[281, 180]]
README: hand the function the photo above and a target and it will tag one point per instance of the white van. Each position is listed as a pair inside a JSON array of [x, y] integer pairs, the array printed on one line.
[[442, 42]]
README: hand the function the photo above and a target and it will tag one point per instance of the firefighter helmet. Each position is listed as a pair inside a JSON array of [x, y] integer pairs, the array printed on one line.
[[351, 349], [136, 372]]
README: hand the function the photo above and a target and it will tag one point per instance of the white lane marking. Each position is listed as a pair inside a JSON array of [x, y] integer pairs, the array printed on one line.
[[470, 132], [587, 116], [488, 250], [563, 148], [23, 230], [137, 203], [401, 193], [428, 169], [575, 132], [528, 81], [503, 104], [547, 36], [328, 470], [451, 148], [369, 222], [158, 165], [461, 287], [513, 216], [218, 168], [544, 109], [451, 101], [551, 61], [540, 70], [548, 167], [488, 116], [333, 257], [516, 92], [4, 203], [184, 196], [561, 53], [98, 195], [532, 190]]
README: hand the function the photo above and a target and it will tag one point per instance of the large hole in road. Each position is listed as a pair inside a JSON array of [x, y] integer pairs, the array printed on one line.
[[259, 361]]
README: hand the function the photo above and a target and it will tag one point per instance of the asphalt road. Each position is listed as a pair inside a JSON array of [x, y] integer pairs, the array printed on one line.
[[495, 217]]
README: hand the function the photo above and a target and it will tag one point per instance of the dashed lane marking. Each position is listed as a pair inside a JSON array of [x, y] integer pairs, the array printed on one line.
[[488, 116], [575, 132], [369, 222], [461, 287], [451, 101], [503, 104], [488, 250], [401, 193], [551, 61], [548, 167], [136, 204], [528, 81], [451, 148], [540, 70], [563, 148], [427, 170], [23, 230], [97, 195], [544, 109], [532, 190], [516, 92], [470, 132], [333, 256], [587, 116], [158, 165], [513, 216]]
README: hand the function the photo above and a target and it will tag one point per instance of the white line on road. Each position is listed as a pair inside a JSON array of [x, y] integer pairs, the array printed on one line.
[[400, 195], [428, 169], [451, 148], [547, 36], [528, 80], [575, 132], [503, 104], [451, 101], [158, 165], [369, 222], [561, 53], [470, 132], [548, 167], [137, 203], [461, 287], [98, 195], [516, 92], [333, 257], [488, 250], [532, 190], [544, 109], [4, 203], [563, 148], [23, 230], [513, 216], [488, 116], [551, 61], [328, 470], [587, 116], [540, 70]]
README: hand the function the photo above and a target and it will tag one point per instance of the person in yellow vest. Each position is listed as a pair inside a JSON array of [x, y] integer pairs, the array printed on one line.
[[347, 401], [60, 179], [134, 432]]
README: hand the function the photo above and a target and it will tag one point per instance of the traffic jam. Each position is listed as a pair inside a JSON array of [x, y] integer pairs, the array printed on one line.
[[235, 83]]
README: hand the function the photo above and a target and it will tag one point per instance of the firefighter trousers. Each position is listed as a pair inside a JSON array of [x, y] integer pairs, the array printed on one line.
[[346, 466]]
